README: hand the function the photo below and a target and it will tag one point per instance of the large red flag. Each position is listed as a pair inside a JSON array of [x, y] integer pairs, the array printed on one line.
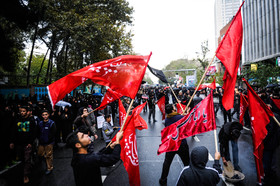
[[123, 74], [229, 51], [109, 97], [212, 86], [200, 119], [129, 153], [179, 108], [259, 113], [161, 106], [243, 107]]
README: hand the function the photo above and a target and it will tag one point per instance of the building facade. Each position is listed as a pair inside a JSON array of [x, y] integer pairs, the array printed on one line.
[[224, 12], [261, 29]]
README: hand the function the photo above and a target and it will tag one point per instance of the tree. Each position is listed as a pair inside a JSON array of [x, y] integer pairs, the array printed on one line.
[[180, 64], [265, 74], [201, 56]]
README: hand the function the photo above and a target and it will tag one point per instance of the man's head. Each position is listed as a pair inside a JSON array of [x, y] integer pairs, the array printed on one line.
[[78, 140], [169, 108], [199, 157], [23, 112], [107, 118], [45, 115]]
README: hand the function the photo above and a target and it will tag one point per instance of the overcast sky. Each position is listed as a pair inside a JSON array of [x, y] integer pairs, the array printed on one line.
[[172, 29]]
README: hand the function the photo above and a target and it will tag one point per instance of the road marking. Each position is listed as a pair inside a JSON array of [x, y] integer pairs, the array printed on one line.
[[103, 177], [210, 157], [196, 139]]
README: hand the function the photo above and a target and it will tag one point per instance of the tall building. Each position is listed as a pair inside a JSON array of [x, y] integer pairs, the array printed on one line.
[[224, 12], [261, 26]]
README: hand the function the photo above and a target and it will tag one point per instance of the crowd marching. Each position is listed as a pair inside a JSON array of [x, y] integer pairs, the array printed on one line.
[[31, 129]]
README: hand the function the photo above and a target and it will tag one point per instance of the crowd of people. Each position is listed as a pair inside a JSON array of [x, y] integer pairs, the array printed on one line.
[[32, 129]]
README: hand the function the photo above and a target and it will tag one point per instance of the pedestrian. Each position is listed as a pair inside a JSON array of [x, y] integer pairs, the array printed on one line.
[[152, 107], [22, 138], [83, 119], [183, 151], [197, 99], [107, 129], [86, 164], [230, 132], [271, 145], [46, 136], [197, 173]]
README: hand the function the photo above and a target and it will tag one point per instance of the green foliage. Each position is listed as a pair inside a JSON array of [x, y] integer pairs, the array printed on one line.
[[265, 74]]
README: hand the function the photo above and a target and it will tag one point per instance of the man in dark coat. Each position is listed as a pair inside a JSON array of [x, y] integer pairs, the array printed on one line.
[[183, 151], [197, 173], [86, 164], [230, 132]]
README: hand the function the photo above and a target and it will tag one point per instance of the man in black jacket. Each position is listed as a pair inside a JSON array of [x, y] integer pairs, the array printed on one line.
[[22, 138], [230, 132], [197, 173], [86, 164]]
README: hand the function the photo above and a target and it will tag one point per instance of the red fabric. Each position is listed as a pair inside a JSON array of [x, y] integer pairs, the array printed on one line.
[[129, 153], [212, 86], [123, 74], [122, 113], [259, 113], [229, 51], [139, 122], [161, 106], [243, 107], [179, 109], [259, 163], [200, 119], [276, 102], [109, 97]]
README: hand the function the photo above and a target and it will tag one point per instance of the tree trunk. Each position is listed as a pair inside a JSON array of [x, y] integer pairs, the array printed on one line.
[[37, 81], [31, 54]]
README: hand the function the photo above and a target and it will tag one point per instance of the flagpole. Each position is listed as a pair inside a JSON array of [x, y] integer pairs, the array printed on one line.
[[276, 120], [176, 97], [216, 141], [126, 116], [202, 78]]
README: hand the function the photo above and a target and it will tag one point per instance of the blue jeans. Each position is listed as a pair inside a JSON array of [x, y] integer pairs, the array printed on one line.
[[234, 147]]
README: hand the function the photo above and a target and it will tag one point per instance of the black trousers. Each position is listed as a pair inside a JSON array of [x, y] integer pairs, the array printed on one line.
[[183, 152]]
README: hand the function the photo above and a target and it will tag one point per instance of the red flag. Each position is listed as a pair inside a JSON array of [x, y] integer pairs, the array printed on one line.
[[122, 113], [200, 119], [276, 102], [139, 122], [123, 74], [161, 106], [109, 97], [259, 113], [229, 51], [243, 107], [179, 109], [212, 86], [129, 154]]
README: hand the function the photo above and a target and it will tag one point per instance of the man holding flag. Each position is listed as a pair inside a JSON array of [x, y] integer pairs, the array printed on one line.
[[183, 151]]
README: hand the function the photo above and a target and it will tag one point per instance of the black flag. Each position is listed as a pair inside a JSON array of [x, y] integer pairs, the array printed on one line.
[[159, 74]]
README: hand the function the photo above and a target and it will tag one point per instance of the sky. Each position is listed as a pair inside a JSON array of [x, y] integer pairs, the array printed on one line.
[[172, 30]]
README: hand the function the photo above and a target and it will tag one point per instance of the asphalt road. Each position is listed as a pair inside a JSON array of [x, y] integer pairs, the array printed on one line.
[[149, 162]]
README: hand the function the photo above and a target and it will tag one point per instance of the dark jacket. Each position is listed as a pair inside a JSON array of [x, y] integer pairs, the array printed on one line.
[[24, 131], [226, 134], [86, 167], [46, 132], [197, 173]]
